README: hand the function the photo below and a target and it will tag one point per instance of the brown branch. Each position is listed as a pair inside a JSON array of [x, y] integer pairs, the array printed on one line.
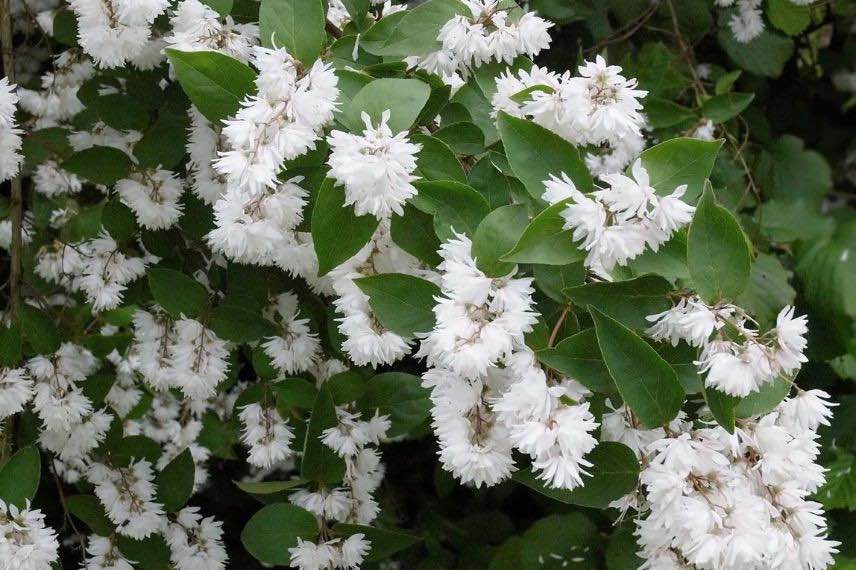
[[555, 332], [333, 30]]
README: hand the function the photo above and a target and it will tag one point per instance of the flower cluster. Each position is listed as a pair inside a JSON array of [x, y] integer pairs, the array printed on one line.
[[376, 168], [197, 27], [128, 496], [599, 107], [114, 32], [97, 267], [267, 435], [296, 348], [718, 500], [746, 20], [616, 224], [10, 134], [195, 543], [281, 122], [25, 541], [738, 359]]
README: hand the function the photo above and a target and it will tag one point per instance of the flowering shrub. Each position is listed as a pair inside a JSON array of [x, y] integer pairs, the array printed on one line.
[[455, 284]]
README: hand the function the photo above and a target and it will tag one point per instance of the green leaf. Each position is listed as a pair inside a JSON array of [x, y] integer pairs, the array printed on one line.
[[90, 510], [19, 477], [578, 357], [150, 553], [546, 241], [240, 325], [357, 9], [629, 302], [11, 344], [718, 254], [680, 161], [135, 447], [65, 27], [765, 55], [414, 233], [39, 330], [296, 392], [384, 542], [463, 137], [456, 207], [337, 233], [268, 487], [346, 387], [436, 161], [121, 112], [175, 482], [415, 32], [765, 399], [404, 98], [768, 290], [722, 407], [497, 234], [727, 81], [787, 171], [223, 7], [645, 381], [497, 188], [320, 463], [403, 304], [274, 529], [553, 279], [176, 292], [721, 108], [560, 542], [118, 219], [788, 16], [792, 220], [99, 164], [839, 492], [662, 113], [613, 474], [682, 358], [215, 83], [163, 145], [296, 25], [401, 397], [38, 146], [535, 153]]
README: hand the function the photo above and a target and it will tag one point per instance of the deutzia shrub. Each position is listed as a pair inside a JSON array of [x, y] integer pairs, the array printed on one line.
[[340, 284]]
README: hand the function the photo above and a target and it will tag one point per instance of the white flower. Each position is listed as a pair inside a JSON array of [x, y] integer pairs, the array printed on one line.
[[103, 554], [354, 550], [807, 410], [10, 135], [25, 542], [333, 504], [153, 197], [310, 556], [790, 337], [296, 348], [747, 22], [198, 359], [16, 389], [376, 168], [197, 27], [266, 434], [128, 494], [690, 320], [51, 180], [196, 543]]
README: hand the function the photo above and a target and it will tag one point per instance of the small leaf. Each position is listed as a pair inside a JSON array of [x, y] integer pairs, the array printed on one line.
[[497, 233], [39, 330], [240, 325], [788, 16], [721, 108], [645, 381], [436, 161], [268, 487], [765, 55], [614, 473], [722, 407], [19, 477], [456, 207], [546, 241], [680, 161], [175, 482], [295, 392], [404, 98], [402, 303], [274, 529], [414, 233], [320, 463], [579, 357], [90, 510], [535, 153], [150, 553], [297, 25], [399, 396], [214, 83], [765, 399], [384, 542], [414, 32], [99, 164], [337, 233], [176, 292], [718, 253], [629, 302]]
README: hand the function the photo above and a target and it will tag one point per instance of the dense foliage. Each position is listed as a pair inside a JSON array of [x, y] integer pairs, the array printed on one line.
[[453, 284]]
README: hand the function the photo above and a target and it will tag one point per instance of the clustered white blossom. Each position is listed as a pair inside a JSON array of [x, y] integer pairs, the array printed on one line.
[[153, 197], [617, 224], [195, 543], [197, 27], [710, 499], [128, 496], [102, 553], [489, 396], [10, 135], [267, 435], [376, 168], [353, 502], [747, 19], [114, 32], [182, 354], [296, 348], [204, 143], [281, 122], [600, 107], [488, 33], [735, 365], [25, 542], [57, 101], [367, 341], [338, 15], [97, 267]]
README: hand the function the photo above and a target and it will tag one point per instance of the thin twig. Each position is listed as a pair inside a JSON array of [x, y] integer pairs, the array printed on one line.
[[555, 332]]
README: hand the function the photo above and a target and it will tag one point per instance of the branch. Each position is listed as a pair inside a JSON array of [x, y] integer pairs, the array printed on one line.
[[16, 214]]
